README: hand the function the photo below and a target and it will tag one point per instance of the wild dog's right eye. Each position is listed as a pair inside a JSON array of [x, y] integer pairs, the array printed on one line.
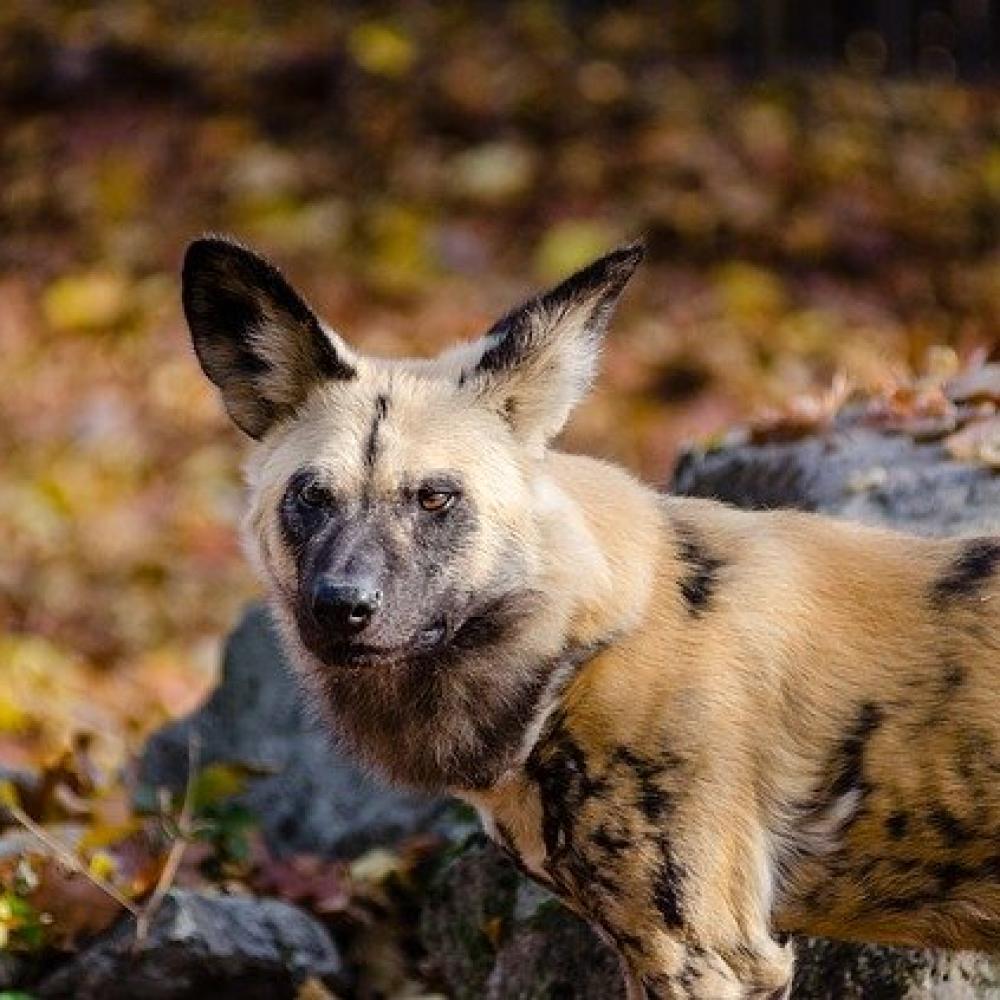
[[313, 494]]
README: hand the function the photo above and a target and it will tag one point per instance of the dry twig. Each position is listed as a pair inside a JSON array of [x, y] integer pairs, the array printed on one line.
[[67, 857], [176, 854]]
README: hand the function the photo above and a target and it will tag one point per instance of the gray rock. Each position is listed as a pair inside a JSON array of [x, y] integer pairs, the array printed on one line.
[[311, 798], [855, 472], [468, 905], [554, 955], [13, 970], [203, 946], [834, 970], [491, 933]]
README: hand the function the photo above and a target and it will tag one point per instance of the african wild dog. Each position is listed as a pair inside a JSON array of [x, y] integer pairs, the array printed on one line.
[[702, 728]]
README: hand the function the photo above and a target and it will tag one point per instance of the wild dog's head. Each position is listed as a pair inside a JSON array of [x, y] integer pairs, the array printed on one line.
[[392, 508]]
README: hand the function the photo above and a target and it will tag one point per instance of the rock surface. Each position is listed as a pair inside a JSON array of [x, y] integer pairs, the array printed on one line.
[[490, 933], [833, 970], [311, 798], [224, 947], [855, 472]]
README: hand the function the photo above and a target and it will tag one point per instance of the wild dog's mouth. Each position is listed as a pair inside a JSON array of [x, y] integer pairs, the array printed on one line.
[[428, 640], [480, 626]]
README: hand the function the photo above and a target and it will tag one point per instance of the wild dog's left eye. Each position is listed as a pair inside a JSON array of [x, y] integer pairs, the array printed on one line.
[[312, 494], [435, 500]]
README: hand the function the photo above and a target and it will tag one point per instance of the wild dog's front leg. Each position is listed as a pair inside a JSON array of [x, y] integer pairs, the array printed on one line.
[[664, 968], [690, 935], [674, 871], [678, 939]]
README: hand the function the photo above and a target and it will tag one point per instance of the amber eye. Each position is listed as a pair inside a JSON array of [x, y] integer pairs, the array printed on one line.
[[435, 500], [314, 495]]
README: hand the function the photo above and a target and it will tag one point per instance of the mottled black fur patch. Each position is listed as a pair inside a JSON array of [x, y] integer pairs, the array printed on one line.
[[652, 799], [976, 562], [609, 842], [845, 770], [559, 768], [668, 889], [951, 829], [897, 823], [699, 580], [952, 679], [848, 763]]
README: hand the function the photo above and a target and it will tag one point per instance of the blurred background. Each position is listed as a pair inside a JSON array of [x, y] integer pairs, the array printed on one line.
[[818, 184]]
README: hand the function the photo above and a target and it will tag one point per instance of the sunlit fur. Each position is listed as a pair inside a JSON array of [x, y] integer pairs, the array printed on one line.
[[700, 727]]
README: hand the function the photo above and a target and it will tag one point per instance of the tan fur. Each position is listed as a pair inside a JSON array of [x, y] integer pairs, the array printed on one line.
[[740, 724]]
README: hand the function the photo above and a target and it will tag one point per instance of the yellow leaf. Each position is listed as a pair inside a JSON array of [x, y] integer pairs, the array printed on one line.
[[571, 244], [103, 866], [13, 719], [750, 292], [313, 989], [493, 929], [381, 48], [216, 783], [86, 301], [8, 794], [375, 866]]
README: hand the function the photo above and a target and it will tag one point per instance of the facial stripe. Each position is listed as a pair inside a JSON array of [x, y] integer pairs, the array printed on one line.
[[371, 445]]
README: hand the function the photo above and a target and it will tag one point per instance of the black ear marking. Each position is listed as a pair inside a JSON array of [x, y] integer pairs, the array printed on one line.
[[254, 335], [539, 360], [597, 286]]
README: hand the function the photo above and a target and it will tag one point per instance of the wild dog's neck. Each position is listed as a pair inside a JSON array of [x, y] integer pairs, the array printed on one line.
[[599, 538], [599, 527]]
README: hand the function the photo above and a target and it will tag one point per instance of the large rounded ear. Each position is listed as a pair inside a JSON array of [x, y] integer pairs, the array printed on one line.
[[255, 337], [537, 362]]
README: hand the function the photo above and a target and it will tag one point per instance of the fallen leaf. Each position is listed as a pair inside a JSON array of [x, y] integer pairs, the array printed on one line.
[[307, 880], [981, 385], [925, 413], [802, 416], [92, 300], [311, 989], [978, 443]]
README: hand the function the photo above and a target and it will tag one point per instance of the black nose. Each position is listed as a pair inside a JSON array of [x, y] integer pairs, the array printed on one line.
[[345, 606]]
